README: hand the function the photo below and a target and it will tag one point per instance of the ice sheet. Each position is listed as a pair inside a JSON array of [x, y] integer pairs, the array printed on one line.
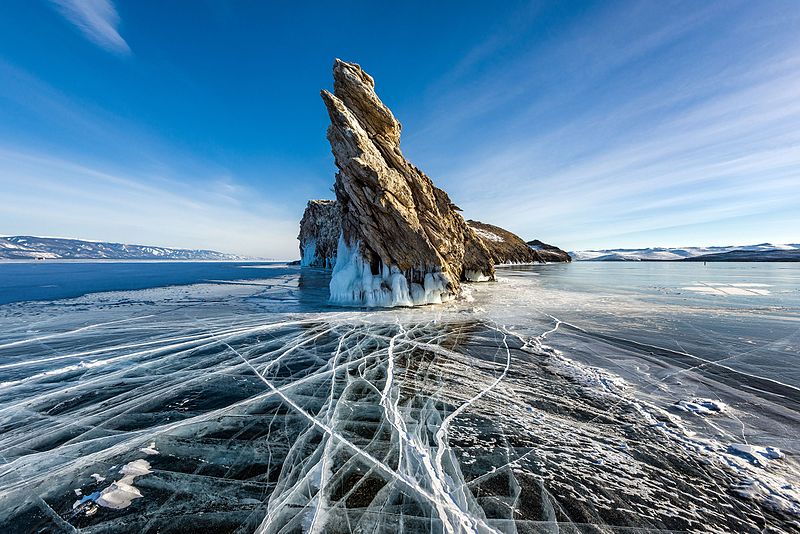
[[533, 407]]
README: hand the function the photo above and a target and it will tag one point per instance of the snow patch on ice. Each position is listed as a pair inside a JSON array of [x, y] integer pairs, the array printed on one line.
[[701, 406], [737, 289], [784, 498], [754, 453], [150, 449], [595, 380], [120, 493]]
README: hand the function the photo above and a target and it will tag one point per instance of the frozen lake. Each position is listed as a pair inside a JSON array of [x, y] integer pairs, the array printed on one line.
[[227, 397]]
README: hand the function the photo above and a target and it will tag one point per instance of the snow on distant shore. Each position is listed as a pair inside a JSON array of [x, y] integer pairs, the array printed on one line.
[[47, 248], [671, 254]]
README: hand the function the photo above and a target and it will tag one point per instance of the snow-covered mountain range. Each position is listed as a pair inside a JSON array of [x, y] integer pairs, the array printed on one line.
[[23, 247], [763, 252]]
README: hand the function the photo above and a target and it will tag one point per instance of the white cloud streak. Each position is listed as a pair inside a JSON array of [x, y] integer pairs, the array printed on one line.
[[98, 20], [124, 183], [43, 195], [603, 139]]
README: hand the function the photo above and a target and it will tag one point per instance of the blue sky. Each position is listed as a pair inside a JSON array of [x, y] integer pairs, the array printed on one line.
[[584, 124]]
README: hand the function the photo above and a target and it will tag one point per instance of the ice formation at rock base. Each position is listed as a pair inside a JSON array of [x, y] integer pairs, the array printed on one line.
[[353, 283]]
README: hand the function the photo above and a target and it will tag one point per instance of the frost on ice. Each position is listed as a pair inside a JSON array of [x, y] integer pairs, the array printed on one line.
[[118, 495], [701, 406]]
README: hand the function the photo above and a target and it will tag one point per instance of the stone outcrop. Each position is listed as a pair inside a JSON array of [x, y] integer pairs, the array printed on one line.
[[549, 253], [321, 226], [504, 246], [508, 248], [403, 241], [319, 234]]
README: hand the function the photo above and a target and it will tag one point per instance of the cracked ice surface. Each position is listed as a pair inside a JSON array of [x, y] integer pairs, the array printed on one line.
[[254, 407]]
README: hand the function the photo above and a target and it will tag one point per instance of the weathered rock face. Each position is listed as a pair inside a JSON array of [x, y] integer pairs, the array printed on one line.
[[403, 241], [504, 246], [507, 247], [549, 253], [319, 234]]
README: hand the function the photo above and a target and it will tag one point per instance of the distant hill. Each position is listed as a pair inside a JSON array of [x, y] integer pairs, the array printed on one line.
[[24, 247], [760, 252], [508, 248], [750, 255]]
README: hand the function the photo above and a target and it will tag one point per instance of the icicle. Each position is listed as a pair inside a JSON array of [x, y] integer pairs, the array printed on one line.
[[353, 283]]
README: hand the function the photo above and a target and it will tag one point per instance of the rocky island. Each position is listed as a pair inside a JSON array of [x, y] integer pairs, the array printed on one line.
[[392, 237]]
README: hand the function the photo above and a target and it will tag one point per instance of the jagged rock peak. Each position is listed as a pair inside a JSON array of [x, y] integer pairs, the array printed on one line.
[[319, 234], [356, 89], [403, 239]]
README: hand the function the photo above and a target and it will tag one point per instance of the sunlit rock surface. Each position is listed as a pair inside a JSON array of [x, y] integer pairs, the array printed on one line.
[[403, 239], [507, 247], [320, 228], [549, 253]]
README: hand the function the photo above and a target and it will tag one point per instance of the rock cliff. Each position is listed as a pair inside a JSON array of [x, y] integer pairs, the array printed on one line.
[[504, 246], [403, 241], [507, 247], [319, 234], [549, 253]]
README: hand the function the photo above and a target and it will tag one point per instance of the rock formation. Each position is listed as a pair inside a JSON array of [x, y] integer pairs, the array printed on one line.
[[403, 241], [507, 247], [504, 246], [319, 234], [549, 253], [321, 226]]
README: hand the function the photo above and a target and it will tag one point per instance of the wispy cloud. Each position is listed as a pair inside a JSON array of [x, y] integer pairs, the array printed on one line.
[[98, 20], [99, 176], [654, 133], [43, 195]]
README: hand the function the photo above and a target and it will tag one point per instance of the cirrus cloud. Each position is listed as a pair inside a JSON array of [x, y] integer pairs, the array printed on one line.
[[98, 20]]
